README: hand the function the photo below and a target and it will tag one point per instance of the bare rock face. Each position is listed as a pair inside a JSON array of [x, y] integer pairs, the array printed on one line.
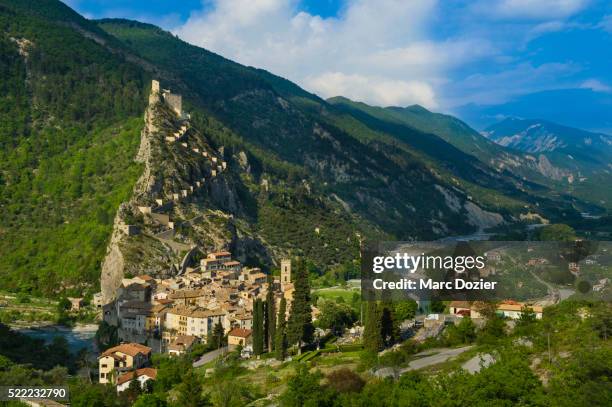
[[112, 267], [118, 259], [481, 218], [186, 197], [548, 170], [476, 216]]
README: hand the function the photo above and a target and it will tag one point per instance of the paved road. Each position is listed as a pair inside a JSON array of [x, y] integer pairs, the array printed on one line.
[[441, 356], [209, 357]]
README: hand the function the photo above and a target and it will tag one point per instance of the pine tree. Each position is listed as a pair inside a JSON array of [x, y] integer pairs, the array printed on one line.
[[270, 317], [372, 331], [280, 339], [258, 327]]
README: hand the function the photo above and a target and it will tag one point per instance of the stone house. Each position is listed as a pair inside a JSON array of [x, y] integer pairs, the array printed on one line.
[[75, 303], [143, 375], [195, 321], [122, 358], [239, 337], [182, 344]]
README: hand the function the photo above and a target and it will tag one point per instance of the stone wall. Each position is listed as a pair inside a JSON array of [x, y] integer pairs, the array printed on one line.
[[175, 102]]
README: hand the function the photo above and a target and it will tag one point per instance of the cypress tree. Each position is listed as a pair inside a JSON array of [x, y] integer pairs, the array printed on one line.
[[258, 327], [390, 330], [270, 317], [299, 327], [218, 335], [372, 331], [280, 339]]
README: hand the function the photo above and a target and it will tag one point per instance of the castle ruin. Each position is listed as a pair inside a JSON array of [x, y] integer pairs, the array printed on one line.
[[173, 100]]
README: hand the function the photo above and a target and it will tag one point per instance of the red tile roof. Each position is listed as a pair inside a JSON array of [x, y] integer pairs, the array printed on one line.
[[131, 349], [145, 371], [240, 332]]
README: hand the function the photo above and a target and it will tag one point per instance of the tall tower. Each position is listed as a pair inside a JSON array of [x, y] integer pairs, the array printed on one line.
[[154, 86], [285, 273]]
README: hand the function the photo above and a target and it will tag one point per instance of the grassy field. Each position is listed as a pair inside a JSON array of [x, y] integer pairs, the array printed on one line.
[[337, 292]]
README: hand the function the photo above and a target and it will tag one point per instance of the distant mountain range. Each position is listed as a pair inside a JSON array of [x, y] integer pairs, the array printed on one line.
[[581, 157], [580, 108], [542, 136]]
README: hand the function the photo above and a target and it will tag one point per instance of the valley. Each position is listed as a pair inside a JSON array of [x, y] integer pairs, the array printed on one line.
[[179, 229]]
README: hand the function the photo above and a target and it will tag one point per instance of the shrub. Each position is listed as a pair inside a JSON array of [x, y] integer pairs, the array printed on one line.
[[345, 381]]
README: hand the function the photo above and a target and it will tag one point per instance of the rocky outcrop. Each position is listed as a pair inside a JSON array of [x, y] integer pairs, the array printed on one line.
[[476, 216], [548, 170], [185, 198], [480, 218], [114, 262]]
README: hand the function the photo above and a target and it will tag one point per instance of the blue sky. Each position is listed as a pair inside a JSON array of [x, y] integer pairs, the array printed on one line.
[[439, 53]]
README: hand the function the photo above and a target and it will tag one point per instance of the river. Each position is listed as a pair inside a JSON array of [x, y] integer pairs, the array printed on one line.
[[78, 337]]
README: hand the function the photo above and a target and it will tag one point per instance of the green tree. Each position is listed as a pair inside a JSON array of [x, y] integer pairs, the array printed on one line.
[[94, 395], [528, 316], [270, 316], [494, 328], [583, 379], [299, 326], [150, 400], [280, 340], [463, 332], [133, 391], [345, 380], [170, 371], [304, 389], [216, 337], [336, 317], [190, 392], [405, 309], [601, 321], [557, 232], [106, 336], [372, 331], [388, 323], [258, 327], [437, 306], [63, 304]]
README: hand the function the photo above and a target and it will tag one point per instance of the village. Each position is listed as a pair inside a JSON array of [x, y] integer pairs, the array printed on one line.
[[172, 315], [207, 294]]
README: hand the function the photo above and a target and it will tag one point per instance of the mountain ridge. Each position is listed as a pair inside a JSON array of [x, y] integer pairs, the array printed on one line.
[[308, 177]]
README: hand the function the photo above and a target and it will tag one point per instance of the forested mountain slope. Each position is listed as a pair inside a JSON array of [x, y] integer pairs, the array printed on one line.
[[307, 177], [68, 124]]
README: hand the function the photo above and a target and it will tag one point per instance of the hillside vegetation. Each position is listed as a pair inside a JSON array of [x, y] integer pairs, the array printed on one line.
[[312, 178], [68, 129]]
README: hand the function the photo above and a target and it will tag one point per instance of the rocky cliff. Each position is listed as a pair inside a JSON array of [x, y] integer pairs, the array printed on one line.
[[185, 198]]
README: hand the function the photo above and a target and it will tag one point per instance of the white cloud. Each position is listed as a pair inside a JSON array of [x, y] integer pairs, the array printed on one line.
[[377, 90], [375, 51], [595, 85], [390, 52], [532, 9]]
